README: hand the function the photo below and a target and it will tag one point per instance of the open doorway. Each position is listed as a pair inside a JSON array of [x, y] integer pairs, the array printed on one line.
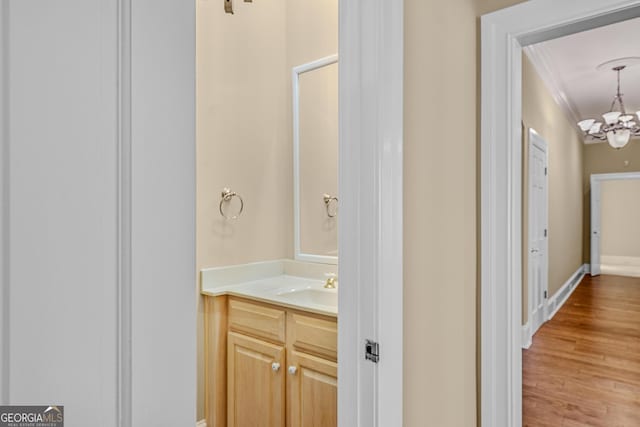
[[280, 164], [504, 34], [266, 239], [614, 236], [567, 98]]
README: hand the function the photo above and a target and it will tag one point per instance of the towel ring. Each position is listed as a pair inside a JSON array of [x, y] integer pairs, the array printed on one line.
[[227, 195], [327, 204]]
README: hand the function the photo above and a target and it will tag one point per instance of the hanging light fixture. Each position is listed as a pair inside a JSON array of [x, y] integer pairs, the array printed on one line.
[[618, 126]]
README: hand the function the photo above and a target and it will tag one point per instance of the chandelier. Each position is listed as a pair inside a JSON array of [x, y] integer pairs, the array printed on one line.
[[618, 126]]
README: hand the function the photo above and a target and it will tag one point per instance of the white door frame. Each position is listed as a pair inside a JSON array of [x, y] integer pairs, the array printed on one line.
[[370, 181], [370, 237], [596, 180], [504, 33], [536, 140]]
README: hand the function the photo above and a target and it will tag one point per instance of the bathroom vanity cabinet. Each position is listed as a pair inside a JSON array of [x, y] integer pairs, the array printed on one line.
[[269, 365]]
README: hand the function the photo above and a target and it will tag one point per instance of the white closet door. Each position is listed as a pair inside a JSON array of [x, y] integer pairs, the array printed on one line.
[[538, 230]]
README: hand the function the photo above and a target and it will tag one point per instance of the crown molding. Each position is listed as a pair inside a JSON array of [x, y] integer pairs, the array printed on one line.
[[541, 61]]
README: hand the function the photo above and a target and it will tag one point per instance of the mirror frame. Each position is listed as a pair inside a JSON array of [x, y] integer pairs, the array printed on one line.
[[296, 72]]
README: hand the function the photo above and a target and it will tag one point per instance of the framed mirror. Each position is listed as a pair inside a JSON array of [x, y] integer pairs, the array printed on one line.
[[315, 160]]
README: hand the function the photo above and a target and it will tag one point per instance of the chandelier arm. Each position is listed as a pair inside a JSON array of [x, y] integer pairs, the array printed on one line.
[[613, 103], [600, 135], [624, 112]]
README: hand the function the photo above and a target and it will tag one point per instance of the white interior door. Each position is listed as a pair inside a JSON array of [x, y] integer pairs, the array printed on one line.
[[595, 226], [538, 230]]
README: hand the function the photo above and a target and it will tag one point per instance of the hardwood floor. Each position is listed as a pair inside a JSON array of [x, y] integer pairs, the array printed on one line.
[[583, 368]]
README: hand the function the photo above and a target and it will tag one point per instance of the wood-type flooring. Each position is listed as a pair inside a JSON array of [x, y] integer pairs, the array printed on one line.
[[583, 368]]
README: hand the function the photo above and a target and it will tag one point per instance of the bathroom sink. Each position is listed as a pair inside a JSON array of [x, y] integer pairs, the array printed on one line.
[[326, 297]]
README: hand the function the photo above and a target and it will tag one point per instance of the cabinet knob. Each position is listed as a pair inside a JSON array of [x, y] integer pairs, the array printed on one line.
[[293, 370], [275, 366]]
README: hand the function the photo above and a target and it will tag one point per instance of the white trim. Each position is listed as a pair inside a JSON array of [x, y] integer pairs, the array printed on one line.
[[201, 423], [503, 34], [310, 66], [124, 403], [556, 301], [526, 336], [595, 181], [295, 81], [535, 140], [5, 164], [562, 295], [620, 265], [539, 56], [620, 270], [599, 177], [370, 183]]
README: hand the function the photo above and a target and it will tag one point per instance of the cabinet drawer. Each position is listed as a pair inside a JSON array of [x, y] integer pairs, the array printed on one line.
[[257, 320], [313, 335]]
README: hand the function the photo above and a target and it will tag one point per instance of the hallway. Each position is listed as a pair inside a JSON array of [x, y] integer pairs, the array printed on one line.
[[583, 368]]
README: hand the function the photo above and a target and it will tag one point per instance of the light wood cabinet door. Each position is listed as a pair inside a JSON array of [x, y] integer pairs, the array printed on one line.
[[312, 387], [255, 382]]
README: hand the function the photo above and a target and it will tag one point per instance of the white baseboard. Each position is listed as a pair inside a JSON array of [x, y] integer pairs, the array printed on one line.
[[201, 423], [620, 265], [526, 336], [559, 298]]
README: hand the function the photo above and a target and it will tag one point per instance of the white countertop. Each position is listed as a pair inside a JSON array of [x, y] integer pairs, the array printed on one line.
[[288, 283]]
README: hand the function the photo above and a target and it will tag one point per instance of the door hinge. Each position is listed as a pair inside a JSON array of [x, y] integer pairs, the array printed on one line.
[[545, 294], [372, 351], [545, 170], [545, 232]]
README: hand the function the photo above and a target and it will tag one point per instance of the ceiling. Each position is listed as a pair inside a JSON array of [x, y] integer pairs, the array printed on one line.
[[568, 67]]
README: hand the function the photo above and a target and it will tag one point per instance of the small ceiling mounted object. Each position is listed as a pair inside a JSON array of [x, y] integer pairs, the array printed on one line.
[[626, 62], [619, 126]]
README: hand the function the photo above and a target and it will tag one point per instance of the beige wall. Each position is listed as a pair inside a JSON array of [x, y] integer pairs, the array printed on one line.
[[601, 158], [619, 207], [243, 129], [566, 185], [441, 84], [243, 137]]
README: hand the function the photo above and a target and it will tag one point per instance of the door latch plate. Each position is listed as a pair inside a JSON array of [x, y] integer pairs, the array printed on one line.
[[372, 351]]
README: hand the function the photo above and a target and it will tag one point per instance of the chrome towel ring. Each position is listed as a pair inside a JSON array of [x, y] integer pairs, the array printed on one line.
[[227, 195], [327, 204]]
